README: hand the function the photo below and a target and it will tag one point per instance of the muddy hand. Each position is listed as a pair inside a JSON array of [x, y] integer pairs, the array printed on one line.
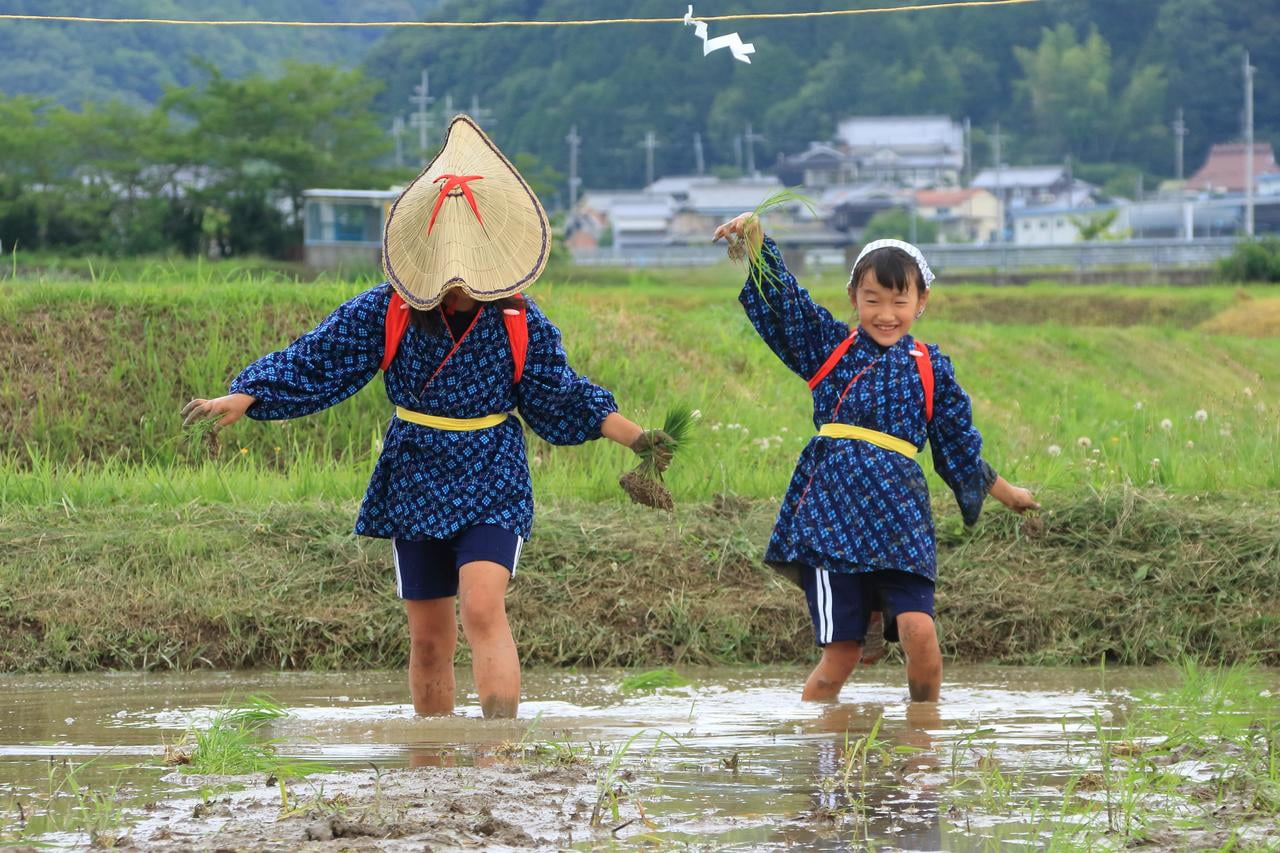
[[657, 445], [741, 232], [1021, 500], [225, 410]]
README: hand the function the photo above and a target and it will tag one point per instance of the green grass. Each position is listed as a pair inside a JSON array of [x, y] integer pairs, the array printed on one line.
[[1134, 577], [1151, 441], [1196, 766], [232, 743], [95, 373], [652, 679]]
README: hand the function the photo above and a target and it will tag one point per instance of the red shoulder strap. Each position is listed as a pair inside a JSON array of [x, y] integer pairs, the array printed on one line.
[[925, 366], [832, 360], [517, 324], [397, 324]]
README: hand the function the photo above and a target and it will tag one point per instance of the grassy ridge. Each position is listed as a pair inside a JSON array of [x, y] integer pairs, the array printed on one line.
[[1135, 577], [96, 371]]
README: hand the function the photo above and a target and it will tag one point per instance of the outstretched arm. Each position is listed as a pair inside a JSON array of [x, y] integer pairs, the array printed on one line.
[[799, 331], [1014, 497]]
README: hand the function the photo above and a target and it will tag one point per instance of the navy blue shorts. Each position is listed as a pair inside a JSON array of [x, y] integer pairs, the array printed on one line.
[[428, 568], [841, 603]]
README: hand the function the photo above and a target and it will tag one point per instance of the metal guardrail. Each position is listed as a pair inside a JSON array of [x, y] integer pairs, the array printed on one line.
[[1150, 254]]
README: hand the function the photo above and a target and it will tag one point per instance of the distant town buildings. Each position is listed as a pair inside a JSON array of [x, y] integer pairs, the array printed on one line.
[[874, 164]]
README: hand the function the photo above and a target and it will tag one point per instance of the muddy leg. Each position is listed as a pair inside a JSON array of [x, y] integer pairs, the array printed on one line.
[[433, 636], [838, 661], [482, 587], [924, 658]]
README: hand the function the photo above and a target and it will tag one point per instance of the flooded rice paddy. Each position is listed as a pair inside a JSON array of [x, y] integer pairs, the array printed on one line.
[[1042, 758]]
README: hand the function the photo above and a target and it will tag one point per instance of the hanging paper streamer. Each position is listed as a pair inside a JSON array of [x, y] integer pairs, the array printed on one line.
[[740, 50]]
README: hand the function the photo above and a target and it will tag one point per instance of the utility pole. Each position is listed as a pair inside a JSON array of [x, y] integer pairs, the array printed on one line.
[[650, 144], [750, 139], [1248, 145], [1004, 205], [397, 133], [697, 154], [1071, 184], [968, 152], [421, 98], [737, 151], [483, 116], [1179, 134], [574, 141]]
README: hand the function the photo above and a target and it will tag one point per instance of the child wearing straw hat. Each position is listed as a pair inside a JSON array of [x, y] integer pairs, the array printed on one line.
[[855, 529], [462, 350]]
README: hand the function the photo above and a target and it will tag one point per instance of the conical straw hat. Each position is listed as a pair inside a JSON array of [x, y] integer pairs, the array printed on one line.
[[468, 221]]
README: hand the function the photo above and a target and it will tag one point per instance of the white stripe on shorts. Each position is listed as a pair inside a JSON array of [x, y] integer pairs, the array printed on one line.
[[395, 557], [516, 559], [831, 614], [822, 616]]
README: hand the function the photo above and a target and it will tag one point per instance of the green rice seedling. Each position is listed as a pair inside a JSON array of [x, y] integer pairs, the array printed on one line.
[[611, 787], [653, 679], [231, 744], [644, 482], [67, 804], [760, 272]]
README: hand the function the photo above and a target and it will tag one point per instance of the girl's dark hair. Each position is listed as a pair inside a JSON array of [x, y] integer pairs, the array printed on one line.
[[432, 322], [893, 268]]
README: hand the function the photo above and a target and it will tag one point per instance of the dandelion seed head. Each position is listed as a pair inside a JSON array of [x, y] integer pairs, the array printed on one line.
[[1201, 415], [1166, 425], [1191, 445], [1137, 406], [1055, 450], [1084, 441]]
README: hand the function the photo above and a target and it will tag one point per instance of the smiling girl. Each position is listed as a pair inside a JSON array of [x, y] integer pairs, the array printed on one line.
[[855, 529]]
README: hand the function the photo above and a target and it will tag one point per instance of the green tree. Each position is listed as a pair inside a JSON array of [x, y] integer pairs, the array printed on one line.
[[1069, 86], [896, 224], [260, 140]]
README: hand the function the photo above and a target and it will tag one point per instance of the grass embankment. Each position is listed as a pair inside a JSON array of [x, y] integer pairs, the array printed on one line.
[[129, 544], [1132, 577], [1071, 386]]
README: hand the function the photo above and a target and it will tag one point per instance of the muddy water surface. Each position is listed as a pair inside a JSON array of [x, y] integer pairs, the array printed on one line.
[[734, 760]]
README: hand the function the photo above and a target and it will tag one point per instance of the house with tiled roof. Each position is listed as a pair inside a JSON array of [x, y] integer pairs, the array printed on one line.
[[1223, 171], [970, 215]]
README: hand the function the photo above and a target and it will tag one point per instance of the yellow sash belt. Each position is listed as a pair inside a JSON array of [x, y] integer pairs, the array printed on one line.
[[451, 424], [879, 439]]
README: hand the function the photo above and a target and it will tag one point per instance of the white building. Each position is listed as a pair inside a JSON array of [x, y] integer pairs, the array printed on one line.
[[344, 227], [919, 151]]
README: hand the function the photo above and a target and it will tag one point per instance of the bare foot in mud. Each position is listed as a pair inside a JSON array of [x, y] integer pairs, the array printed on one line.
[[499, 707]]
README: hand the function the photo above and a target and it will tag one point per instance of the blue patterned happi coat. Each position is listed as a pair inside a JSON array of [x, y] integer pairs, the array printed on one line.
[[431, 483], [852, 506]]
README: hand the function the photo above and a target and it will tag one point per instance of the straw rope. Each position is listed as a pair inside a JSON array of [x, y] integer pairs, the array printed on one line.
[[752, 16]]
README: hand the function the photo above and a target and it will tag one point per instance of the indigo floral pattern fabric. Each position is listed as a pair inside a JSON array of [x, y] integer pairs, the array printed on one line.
[[852, 506], [430, 483]]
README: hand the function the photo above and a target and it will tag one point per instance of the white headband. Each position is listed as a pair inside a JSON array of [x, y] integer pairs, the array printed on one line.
[[926, 274]]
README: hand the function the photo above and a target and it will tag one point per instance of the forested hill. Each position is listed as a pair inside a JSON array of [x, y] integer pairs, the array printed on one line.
[[79, 63], [1098, 79]]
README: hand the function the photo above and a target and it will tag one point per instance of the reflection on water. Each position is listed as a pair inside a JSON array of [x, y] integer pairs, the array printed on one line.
[[735, 759]]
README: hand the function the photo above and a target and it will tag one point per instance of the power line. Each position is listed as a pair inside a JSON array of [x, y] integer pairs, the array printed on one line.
[[752, 16]]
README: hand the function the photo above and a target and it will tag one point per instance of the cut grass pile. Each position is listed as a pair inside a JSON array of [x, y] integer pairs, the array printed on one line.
[[1129, 576]]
